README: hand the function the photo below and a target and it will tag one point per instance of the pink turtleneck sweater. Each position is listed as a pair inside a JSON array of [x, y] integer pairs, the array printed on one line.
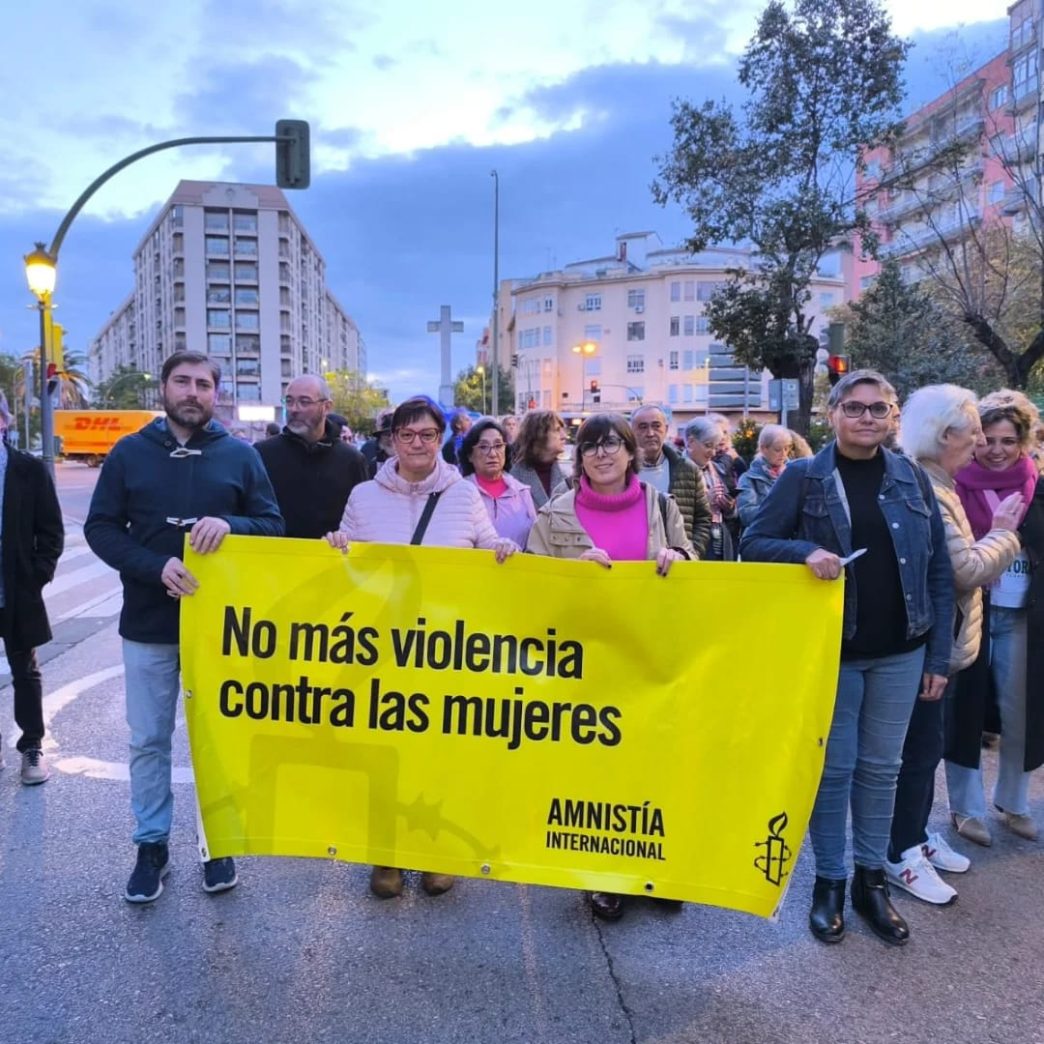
[[618, 523]]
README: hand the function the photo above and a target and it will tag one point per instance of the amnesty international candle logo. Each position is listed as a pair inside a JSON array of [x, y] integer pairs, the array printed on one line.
[[428, 707], [777, 852]]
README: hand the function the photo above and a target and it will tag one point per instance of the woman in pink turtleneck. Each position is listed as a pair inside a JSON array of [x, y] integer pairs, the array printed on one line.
[[610, 516]]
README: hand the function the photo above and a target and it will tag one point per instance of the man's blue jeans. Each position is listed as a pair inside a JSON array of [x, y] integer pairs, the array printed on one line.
[[152, 684], [875, 698], [1008, 651]]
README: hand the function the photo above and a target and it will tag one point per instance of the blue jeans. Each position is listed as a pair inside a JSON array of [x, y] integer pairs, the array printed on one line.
[[875, 698], [153, 684], [965, 786]]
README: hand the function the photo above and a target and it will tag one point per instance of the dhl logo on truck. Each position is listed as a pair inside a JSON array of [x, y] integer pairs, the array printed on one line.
[[98, 424]]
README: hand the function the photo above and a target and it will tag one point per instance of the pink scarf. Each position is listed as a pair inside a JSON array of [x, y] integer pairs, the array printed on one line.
[[973, 480], [618, 523]]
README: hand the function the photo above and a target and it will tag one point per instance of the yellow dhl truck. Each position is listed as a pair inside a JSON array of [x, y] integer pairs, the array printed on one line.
[[88, 435]]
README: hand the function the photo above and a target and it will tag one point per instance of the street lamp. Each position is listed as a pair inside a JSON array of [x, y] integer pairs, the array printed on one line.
[[586, 349], [482, 370], [495, 357], [41, 273]]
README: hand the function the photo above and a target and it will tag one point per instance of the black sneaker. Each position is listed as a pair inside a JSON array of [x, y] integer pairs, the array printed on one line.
[[146, 883], [219, 875]]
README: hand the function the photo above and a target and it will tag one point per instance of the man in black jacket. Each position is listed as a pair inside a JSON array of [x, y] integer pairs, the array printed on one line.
[[311, 469], [31, 541]]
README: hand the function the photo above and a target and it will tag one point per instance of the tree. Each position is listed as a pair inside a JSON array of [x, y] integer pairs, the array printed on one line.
[[902, 331], [355, 398], [468, 391], [73, 383], [990, 277], [126, 388], [823, 81]]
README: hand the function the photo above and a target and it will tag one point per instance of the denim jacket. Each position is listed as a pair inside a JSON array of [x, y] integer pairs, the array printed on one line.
[[806, 509]]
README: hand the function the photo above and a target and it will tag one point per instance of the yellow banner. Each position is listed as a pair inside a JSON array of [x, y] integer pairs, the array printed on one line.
[[542, 721]]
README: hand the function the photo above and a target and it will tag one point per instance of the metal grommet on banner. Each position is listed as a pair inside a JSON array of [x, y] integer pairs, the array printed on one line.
[[649, 886], [486, 868], [332, 851], [188, 694]]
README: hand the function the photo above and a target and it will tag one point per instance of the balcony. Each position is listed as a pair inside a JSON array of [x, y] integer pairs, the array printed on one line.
[[1015, 200]]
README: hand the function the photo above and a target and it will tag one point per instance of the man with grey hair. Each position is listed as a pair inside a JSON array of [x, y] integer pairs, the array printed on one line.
[[666, 470], [311, 469], [31, 540]]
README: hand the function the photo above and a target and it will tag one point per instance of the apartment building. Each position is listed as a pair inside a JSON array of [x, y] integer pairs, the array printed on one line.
[[228, 268], [922, 199], [611, 332]]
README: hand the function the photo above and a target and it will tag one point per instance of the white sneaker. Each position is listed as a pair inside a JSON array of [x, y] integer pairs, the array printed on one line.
[[914, 874], [943, 857]]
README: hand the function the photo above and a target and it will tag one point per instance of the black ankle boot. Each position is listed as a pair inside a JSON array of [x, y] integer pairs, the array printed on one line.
[[870, 900], [827, 916]]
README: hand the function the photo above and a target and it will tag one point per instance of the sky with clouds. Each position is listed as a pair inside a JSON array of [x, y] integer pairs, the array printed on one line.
[[411, 105]]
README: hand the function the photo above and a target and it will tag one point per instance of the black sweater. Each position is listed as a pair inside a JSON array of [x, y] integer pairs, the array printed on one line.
[[312, 480]]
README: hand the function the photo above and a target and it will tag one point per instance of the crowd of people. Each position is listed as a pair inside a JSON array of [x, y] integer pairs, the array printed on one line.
[[933, 513]]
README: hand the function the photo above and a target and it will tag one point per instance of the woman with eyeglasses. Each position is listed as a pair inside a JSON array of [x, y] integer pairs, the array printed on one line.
[[609, 515], [857, 507], [1012, 655], [417, 498], [482, 462]]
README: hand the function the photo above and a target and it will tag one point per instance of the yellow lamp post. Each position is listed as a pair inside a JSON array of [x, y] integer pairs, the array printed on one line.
[[41, 273]]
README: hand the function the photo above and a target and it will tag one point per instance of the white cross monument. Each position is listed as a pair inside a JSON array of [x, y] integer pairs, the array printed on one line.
[[445, 328]]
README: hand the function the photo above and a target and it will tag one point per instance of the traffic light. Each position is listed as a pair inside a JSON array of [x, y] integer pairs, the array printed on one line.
[[837, 367], [52, 379], [596, 395], [293, 163], [514, 360]]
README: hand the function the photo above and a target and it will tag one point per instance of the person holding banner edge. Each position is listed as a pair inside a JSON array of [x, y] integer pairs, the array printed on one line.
[[417, 498], [896, 631], [182, 475], [609, 515]]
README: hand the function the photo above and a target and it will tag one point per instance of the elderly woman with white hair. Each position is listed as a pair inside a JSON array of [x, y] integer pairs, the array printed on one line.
[[702, 440], [940, 429], [774, 445]]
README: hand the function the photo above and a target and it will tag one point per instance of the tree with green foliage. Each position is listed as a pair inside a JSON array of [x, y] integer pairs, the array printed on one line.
[[355, 398], [468, 391], [900, 330], [126, 388], [824, 82]]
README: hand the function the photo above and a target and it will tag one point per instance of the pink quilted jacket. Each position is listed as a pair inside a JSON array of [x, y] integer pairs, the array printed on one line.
[[388, 508]]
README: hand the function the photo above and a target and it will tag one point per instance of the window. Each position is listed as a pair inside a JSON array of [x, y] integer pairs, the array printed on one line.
[[999, 97], [529, 338], [215, 220], [248, 368], [826, 300], [1024, 74], [593, 367], [672, 360], [705, 290], [177, 215], [547, 399], [593, 332], [702, 324], [549, 304], [636, 299], [530, 305], [217, 245], [687, 359], [593, 302], [218, 318], [636, 394], [636, 331], [866, 282], [675, 291], [177, 243], [636, 364], [701, 395], [219, 295], [248, 392], [246, 247], [246, 296], [672, 393], [1022, 33], [219, 344], [686, 393], [548, 367], [690, 325], [248, 343], [247, 321], [689, 290], [547, 336], [675, 325], [218, 270], [996, 191], [246, 272], [244, 221]]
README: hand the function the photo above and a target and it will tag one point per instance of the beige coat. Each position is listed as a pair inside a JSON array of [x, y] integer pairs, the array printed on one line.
[[976, 563], [557, 531]]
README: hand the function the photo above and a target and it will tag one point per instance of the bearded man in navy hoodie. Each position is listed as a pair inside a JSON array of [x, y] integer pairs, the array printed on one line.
[[181, 474]]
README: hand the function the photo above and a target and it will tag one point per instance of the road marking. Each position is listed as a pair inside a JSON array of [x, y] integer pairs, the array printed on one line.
[[73, 552], [67, 581], [115, 771], [108, 603]]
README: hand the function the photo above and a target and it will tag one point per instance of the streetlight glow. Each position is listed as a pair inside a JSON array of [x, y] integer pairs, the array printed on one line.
[[40, 272], [587, 348]]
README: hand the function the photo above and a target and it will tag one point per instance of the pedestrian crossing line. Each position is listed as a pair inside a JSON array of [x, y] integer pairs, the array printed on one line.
[[67, 581]]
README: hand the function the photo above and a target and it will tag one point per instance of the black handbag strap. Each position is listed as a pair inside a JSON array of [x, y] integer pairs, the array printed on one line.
[[422, 524]]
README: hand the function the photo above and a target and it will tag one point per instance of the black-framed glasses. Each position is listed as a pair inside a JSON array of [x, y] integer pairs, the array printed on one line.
[[304, 401], [409, 436], [853, 409], [610, 445]]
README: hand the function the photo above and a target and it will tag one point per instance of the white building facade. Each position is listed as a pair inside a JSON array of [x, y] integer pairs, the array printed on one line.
[[613, 332], [228, 269]]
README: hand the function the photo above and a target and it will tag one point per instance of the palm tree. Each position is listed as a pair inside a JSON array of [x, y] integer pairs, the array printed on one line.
[[74, 384]]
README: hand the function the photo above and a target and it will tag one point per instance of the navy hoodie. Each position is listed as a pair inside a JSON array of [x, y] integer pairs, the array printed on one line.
[[141, 485]]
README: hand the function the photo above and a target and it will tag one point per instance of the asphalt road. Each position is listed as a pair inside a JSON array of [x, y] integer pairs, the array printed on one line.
[[301, 952]]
